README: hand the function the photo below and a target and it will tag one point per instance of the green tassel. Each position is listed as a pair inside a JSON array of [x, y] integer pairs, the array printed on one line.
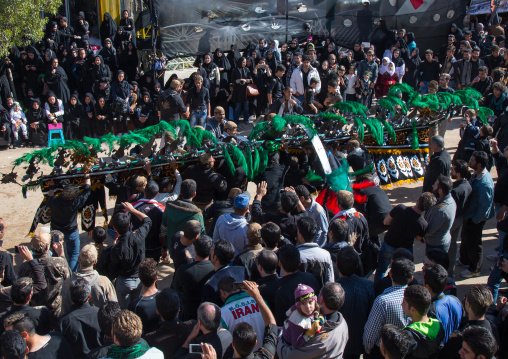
[[201, 134], [256, 163], [238, 157], [468, 98], [228, 161], [484, 113], [248, 159], [390, 131], [359, 128], [311, 176], [263, 159], [23, 190], [415, 145], [447, 99], [133, 139], [333, 116]]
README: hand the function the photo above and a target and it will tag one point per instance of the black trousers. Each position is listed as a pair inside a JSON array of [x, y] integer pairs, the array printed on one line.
[[471, 247]]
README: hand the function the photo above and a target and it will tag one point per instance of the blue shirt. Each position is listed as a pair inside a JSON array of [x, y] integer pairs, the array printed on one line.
[[448, 310], [359, 299]]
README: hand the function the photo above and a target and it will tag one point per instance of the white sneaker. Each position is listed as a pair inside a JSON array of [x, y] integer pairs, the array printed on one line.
[[493, 257], [468, 274]]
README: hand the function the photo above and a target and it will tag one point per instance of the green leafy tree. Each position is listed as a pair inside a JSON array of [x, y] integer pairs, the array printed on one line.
[[21, 23]]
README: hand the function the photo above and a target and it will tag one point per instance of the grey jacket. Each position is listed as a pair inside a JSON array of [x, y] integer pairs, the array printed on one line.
[[329, 343]]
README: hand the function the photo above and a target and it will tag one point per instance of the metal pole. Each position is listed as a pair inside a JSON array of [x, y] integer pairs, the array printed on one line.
[[287, 19], [154, 49]]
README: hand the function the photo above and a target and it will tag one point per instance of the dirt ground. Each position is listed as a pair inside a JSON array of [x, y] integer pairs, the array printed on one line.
[[18, 213]]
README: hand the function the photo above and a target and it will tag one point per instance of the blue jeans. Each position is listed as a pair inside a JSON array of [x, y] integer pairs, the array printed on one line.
[[198, 118], [72, 243], [425, 88], [384, 259], [231, 113], [495, 277], [127, 289], [238, 109]]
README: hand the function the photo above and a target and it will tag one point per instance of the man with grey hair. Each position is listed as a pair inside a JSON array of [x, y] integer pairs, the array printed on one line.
[[102, 290], [209, 320], [439, 163]]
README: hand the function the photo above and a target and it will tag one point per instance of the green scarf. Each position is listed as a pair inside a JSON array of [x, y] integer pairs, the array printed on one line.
[[135, 351]]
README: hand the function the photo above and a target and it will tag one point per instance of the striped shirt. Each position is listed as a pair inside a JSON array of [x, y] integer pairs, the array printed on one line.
[[387, 309]]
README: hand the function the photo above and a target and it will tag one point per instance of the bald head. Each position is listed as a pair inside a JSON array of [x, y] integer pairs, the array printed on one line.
[[209, 315]]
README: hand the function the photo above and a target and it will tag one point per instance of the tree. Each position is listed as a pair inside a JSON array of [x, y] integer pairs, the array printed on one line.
[[21, 23]]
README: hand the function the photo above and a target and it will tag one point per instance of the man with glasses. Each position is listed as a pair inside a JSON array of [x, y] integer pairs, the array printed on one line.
[[368, 65]]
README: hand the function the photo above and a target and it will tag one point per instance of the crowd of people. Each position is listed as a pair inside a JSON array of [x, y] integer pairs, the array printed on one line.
[[277, 273]]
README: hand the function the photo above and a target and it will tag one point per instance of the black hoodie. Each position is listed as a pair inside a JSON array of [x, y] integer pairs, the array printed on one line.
[[426, 337]]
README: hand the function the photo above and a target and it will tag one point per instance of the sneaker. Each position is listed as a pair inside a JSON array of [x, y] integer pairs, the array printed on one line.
[[468, 274], [459, 263], [493, 257]]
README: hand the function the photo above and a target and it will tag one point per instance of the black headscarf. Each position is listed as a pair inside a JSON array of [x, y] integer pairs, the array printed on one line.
[[221, 61], [210, 66], [233, 56], [108, 27]]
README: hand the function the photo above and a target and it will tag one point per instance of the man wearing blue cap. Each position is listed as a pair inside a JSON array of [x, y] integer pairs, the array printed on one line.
[[233, 226]]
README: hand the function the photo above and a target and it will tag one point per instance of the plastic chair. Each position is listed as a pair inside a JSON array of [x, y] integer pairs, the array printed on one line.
[[55, 130]]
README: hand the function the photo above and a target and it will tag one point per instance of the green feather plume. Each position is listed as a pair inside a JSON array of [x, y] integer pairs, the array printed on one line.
[[94, 142], [390, 131], [375, 128], [258, 130], [278, 123], [110, 139], [359, 128], [469, 97], [352, 107], [256, 162], [302, 120], [333, 116], [429, 101], [447, 99], [339, 178], [415, 145], [133, 139], [389, 103], [484, 113], [401, 87], [200, 135], [311, 176]]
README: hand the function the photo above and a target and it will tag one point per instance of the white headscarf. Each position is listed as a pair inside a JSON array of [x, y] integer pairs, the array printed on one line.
[[384, 69]]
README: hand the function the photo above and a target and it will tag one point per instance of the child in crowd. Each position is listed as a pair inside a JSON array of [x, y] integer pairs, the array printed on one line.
[[303, 317], [333, 95], [169, 191], [18, 120], [99, 237], [363, 90], [310, 105], [350, 90], [483, 143]]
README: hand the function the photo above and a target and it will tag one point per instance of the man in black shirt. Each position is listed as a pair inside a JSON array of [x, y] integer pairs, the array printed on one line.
[[430, 71], [81, 327], [170, 104], [52, 345], [190, 278], [198, 101], [144, 306], [406, 225], [460, 192], [154, 210], [439, 162], [267, 264], [182, 243], [64, 213], [444, 80], [289, 261], [276, 85], [127, 254], [6, 262], [172, 333]]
